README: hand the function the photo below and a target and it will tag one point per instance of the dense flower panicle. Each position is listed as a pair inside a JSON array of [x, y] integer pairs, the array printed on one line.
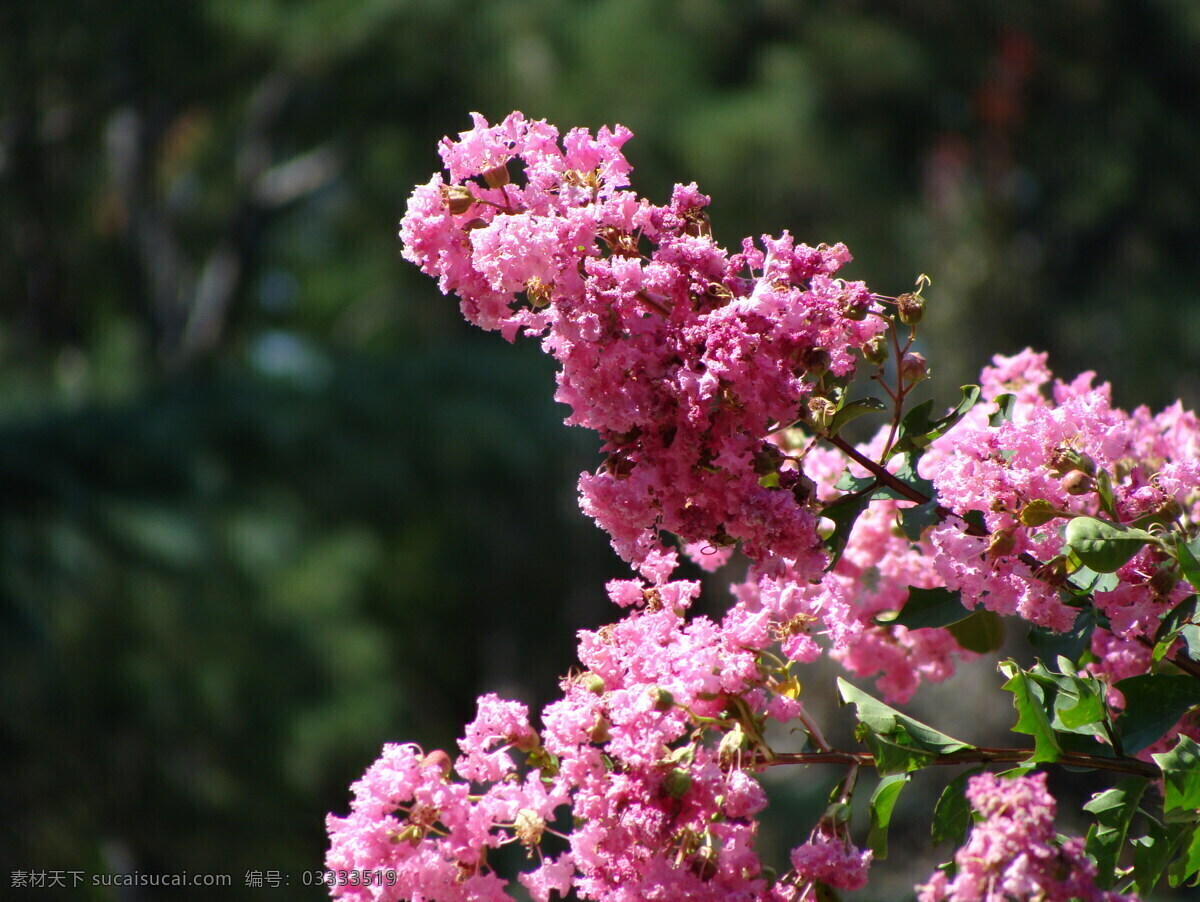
[[995, 471], [682, 357], [691, 363], [663, 801], [1013, 852]]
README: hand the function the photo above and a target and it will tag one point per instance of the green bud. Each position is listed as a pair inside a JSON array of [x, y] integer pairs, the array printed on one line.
[[911, 308], [1002, 543], [592, 682], [663, 700], [821, 412], [875, 351], [458, 198], [1078, 482], [677, 781]]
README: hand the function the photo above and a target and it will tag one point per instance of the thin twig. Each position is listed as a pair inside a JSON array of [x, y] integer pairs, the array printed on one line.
[[975, 756]]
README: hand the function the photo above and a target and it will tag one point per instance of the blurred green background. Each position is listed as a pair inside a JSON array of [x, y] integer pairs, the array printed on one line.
[[267, 503]]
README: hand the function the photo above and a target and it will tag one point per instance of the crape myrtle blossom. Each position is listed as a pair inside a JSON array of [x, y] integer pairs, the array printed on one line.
[[712, 378], [682, 356], [1014, 853], [653, 747]]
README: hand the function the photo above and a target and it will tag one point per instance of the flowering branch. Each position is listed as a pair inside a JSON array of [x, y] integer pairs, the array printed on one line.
[[687, 360]]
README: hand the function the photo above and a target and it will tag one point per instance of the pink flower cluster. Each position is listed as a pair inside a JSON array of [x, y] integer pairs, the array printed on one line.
[[653, 747], [682, 356], [1151, 463], [693, 365], [1013, 852]]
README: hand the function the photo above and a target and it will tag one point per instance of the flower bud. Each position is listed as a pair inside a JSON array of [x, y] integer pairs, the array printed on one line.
[[913, 368], [458, 198], [1067, 460], [1002, 543], [1078, 482], [439, 759], [876, 350], [821, 412], [663, 700], [731, 743], [526, 742], [1165, 579], [592, 682], [497, 177], [600, 732], [677, 781], [911, 308]]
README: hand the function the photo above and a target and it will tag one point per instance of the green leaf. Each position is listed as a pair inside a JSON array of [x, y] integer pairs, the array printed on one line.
[[843, 512], [1173, 624], [1154, 702], [899, 742], [952, 813], [907, 473], [1153, 852], [981, 632], [854, 410], [883, 801], [931, 608], [1114, 810], [1080, 711], [1181, 778], [917, 431], [1072, 644], [1004, 410], [915, 520], [1104, 490], [1189, 566], [1187, 865], [1032, 719], [1104, 546], [1085, 581]]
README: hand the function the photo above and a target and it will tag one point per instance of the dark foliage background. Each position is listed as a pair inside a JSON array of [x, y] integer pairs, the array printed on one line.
[[266, 503]]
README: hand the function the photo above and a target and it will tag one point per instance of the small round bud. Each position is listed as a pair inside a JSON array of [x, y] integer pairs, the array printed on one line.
[[497, 177], [663, 699], [1002, 543], [876, 350], [677, 781], [458, 198], [821, 412], [592, 682], [526, 742], [1165, 579], [1078, 482], [911, 308], [439, 759], [600, 732], [913, 368]]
